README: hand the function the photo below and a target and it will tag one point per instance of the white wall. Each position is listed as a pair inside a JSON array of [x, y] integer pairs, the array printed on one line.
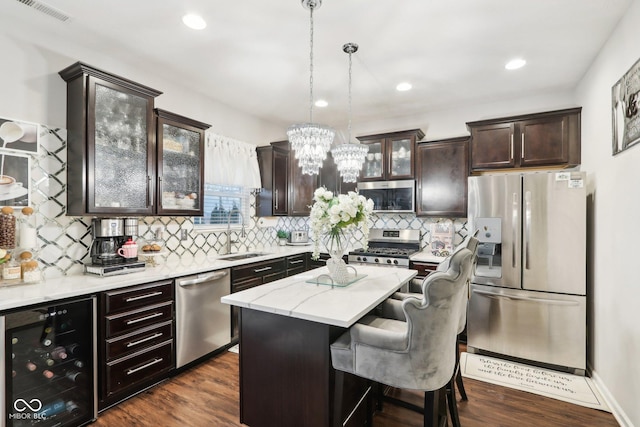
[[33, 91], [452, 123], [613, 262]]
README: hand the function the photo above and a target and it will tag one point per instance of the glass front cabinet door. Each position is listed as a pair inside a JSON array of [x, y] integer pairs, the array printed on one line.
[[180, 164], [391, 156], [110, 143]]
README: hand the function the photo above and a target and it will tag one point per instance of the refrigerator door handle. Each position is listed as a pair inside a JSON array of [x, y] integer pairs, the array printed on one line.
[[514, 228], [527, 227], [523, 298]]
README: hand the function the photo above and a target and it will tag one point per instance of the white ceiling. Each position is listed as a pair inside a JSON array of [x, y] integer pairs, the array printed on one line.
[[254, 54]]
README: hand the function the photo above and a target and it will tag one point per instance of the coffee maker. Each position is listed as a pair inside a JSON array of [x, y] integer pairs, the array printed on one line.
[[109, 235]]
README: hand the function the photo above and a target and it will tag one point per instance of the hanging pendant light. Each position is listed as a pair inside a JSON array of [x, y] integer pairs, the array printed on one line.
[[310, 141], [349, 156]]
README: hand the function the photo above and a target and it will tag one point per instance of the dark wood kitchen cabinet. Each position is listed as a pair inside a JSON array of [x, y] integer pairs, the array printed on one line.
[[124, 158], [330, 178], [273, 198], [286, 190], [532, 140], [135, 340], [251, 275], [390, 156], [110, 143], [180, 172], [442, 169]]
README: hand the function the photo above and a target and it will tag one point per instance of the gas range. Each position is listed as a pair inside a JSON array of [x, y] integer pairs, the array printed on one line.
[[387, 247]]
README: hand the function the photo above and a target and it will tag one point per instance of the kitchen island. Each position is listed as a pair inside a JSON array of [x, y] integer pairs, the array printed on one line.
[[286, 327]]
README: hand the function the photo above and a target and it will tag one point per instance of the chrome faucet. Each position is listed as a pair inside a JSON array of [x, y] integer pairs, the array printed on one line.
[[242, 233]]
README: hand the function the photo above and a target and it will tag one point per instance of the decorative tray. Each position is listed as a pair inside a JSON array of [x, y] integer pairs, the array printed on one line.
[[325, 279]]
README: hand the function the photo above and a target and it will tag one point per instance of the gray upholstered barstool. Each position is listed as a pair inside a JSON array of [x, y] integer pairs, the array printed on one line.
[[411, 346], [415, 287]]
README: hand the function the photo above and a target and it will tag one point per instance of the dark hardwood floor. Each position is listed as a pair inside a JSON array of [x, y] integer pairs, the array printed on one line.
[[207, 395]]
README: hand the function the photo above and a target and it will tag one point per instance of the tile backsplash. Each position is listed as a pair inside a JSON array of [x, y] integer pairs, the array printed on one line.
[[65, 241]]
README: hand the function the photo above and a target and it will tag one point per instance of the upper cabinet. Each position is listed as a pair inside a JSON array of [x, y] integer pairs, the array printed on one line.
[[286, 190], [273, 198], [113, 166], [442, 168], [110, 143], [329, 177], [534, 140], [390, 156], [180, 171]]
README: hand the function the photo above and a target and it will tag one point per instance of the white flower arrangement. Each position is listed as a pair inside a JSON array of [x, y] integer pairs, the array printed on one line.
[[331, 215]]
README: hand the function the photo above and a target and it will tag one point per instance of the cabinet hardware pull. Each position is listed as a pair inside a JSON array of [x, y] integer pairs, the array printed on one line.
[[511, 148], [149, 192], [276, 199], [522, 147], [523, 298], [142, 319], [526, 218], [296, 261], [259, 270], [139, 297], [514, 228], [139, 368], [140, 341], [207, 278]]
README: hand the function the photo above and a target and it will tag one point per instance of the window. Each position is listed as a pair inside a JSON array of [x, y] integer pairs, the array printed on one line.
[[223, 204]]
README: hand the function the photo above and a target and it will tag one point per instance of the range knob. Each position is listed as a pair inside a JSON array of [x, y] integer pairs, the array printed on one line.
[[364, 259], [395, 261], [376, 260], [389, 261], [358, 259]]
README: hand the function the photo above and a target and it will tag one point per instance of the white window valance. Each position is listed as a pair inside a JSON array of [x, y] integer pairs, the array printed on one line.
[[230, 162]]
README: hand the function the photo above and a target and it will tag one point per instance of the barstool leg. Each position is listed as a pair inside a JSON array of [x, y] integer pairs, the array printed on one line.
[[431, 408], [453, 406], [458, 373], [338, 389]]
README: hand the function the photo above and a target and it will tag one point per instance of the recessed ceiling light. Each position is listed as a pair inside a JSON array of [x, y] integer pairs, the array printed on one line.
[[194, 21], [321, 103], [514, 64], [403, 87]]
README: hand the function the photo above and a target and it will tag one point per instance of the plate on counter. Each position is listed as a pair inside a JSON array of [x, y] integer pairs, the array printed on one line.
[[298, 244]]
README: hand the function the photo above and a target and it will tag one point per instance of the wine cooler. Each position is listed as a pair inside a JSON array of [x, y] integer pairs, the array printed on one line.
[[48, 365]]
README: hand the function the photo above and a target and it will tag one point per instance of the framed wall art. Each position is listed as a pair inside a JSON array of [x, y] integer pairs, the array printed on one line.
[[15, 171], [625, 103], [16, 135]]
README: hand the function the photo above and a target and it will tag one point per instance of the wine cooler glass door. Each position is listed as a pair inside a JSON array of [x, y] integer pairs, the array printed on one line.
[[49, 365]]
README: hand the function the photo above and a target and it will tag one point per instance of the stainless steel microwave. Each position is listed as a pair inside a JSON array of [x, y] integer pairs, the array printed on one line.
[[390, 196]]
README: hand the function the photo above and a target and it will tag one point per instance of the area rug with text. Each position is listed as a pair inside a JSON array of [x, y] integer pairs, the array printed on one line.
[[545, 382]]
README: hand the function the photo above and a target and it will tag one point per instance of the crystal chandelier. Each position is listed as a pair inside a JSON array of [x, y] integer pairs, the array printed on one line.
[[310, 141], [349, 156]]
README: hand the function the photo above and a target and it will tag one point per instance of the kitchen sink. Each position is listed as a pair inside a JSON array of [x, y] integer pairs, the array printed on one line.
[[236, 257]]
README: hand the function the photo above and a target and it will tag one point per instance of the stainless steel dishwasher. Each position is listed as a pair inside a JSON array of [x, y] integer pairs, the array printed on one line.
[[203, 323]]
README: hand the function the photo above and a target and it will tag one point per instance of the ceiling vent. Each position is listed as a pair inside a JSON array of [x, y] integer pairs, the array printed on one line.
[[46, 9]]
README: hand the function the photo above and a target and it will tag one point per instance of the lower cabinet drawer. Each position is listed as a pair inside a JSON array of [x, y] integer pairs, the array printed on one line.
[[139, 367], [138, 340], [131, 320]]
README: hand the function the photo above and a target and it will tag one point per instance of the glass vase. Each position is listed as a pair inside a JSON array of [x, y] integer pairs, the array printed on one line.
[[336, 243]]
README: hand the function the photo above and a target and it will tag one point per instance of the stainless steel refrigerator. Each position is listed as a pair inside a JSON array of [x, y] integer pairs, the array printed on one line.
[[528, 291]]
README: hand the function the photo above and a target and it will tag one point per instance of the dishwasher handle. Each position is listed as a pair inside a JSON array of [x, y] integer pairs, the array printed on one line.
[[202, 279]]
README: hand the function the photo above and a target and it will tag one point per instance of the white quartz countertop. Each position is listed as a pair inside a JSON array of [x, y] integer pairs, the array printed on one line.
[[82, 284], [338, 306]]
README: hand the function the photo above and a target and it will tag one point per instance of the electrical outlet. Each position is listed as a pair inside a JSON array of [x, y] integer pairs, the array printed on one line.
[[184, 234]]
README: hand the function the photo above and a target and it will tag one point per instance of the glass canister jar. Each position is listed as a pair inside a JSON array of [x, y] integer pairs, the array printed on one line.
[[27, 235], [7, 228], [11, 270], [29, 267]]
